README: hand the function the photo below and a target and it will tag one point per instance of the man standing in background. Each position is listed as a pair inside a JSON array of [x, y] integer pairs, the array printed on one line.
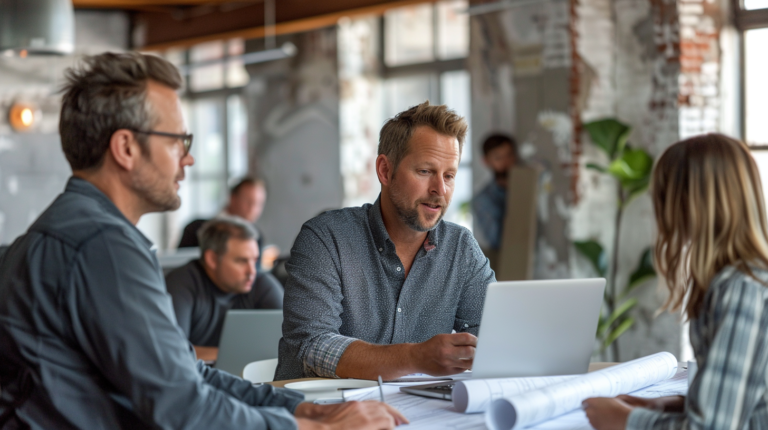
[[490, 204]]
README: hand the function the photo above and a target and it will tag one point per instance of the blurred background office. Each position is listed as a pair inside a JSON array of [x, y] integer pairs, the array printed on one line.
[[295, 92]]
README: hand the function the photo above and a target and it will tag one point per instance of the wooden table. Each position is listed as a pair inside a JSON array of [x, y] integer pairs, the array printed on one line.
[[592, 367]]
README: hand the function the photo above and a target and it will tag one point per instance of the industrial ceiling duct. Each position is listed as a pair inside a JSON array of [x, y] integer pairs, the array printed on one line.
[[29, 27]]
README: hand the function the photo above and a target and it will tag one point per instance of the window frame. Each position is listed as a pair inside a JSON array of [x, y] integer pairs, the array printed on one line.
[[434, 69]]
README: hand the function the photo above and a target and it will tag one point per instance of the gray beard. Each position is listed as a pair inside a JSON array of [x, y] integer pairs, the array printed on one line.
[[147, 183], [410, 216]]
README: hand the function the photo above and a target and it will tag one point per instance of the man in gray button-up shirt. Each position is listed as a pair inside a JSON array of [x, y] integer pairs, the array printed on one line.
[[377, 290], [88, 338]]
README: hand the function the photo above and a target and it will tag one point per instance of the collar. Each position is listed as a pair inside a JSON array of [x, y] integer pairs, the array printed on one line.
[[381, 235], [87, 189]]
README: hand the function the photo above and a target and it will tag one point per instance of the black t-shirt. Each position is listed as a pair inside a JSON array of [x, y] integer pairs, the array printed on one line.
[[200, 305]]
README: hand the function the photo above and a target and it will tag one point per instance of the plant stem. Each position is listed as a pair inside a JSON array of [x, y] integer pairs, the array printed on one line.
[[612, 288]]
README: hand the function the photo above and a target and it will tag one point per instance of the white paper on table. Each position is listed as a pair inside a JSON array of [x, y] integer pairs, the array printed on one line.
[[423, 413], [476, 395], [539, 405], [577, 420]]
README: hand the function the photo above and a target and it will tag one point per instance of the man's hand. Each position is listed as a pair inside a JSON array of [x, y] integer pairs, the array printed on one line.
[[607, 414], [349, 415], [445, 354]]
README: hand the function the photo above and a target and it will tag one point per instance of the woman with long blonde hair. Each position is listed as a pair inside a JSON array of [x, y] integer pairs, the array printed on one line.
[[712, 251]]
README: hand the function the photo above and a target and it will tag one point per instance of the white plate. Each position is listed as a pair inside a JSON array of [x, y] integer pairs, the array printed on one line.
[[330, 385]]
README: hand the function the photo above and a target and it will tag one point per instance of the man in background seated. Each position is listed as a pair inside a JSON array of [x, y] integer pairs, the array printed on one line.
[[490, 204], [377, 290], [88, 338], [225, 277]]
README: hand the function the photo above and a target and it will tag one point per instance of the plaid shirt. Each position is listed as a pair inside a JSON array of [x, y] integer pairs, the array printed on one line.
[[346, 283], [730, 339]]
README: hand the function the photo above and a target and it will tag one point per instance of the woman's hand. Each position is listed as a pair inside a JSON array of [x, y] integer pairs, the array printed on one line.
[[607, 414]]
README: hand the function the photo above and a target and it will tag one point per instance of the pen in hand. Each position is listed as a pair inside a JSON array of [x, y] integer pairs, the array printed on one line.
[[381, 390]]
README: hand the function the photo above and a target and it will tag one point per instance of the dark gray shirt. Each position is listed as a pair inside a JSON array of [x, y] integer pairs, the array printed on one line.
[[87, 333], [346, 283], [201, 306]]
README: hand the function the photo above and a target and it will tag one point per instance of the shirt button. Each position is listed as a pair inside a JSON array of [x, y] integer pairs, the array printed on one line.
[[398, 269], [399, 310], [381, 249], [466, 325]]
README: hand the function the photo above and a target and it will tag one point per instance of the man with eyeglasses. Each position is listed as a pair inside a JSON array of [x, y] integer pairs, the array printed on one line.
[[88, 336]]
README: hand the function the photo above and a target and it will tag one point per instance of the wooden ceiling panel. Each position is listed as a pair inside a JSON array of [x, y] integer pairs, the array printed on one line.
[[185, 26], [141, 4]]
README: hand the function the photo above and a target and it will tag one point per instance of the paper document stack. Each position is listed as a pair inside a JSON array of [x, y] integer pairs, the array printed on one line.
[[552, 402]]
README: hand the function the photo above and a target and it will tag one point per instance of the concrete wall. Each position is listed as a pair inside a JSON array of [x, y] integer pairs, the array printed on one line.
[[626, 64], [33, 170], [293, 109]]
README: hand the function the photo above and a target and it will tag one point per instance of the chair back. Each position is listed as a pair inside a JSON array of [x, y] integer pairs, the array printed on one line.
[[260, 371]]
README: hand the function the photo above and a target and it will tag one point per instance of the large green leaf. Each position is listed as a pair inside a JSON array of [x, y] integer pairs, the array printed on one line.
[[619, 312], [595, 253], [609, 135], [618, 331], [643, 271], [597, 167], [632, 169]]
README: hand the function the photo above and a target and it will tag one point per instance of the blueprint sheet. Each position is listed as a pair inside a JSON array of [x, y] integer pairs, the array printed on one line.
[[432, 414]]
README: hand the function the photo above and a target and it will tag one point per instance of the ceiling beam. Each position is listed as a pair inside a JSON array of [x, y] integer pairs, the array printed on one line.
[[142, 4], [292, 16]]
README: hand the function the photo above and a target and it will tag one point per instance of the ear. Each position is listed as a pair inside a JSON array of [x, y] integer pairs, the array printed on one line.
[[384, 169], [211, 259], [124, 149]]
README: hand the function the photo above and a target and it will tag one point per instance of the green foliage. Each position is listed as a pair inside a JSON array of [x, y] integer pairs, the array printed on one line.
[[643, 272], [595, 253], [631, 168], [609, 135]]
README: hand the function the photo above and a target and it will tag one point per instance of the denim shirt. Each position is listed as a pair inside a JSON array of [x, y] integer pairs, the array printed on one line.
[[88, 337], [346, 283]]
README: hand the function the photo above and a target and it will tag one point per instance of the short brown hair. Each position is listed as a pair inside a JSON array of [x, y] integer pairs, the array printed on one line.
[[215, 234], [495, 140], [397, 131], [248, 181], [103, 94]]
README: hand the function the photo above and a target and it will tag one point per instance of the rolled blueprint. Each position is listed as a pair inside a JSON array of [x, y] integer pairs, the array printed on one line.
[[537, 405]]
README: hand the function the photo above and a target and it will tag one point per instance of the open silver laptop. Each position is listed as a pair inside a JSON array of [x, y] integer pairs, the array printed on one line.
[[533, 328], [248, 335]]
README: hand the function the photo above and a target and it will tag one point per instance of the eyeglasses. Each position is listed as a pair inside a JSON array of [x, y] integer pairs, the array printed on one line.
[[186, 139]]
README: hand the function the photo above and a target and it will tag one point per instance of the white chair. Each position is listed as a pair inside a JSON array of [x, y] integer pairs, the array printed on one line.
[[260, 371]]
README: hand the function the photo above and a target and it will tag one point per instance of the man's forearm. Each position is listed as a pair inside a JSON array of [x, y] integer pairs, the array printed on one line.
[[362, 360], [206, 353]]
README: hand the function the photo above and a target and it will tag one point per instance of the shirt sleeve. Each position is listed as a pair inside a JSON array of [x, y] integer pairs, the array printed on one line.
[[479, 275], [312, 307], [487, 220], [267, 293], [122, 319], [731, 381]]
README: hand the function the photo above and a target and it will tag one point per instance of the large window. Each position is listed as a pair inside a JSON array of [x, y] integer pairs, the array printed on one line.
[[215, 113], [752, 20], [424, 50]]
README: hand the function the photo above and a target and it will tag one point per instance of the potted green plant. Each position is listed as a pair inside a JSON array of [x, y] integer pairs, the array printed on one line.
[[631, 169]]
